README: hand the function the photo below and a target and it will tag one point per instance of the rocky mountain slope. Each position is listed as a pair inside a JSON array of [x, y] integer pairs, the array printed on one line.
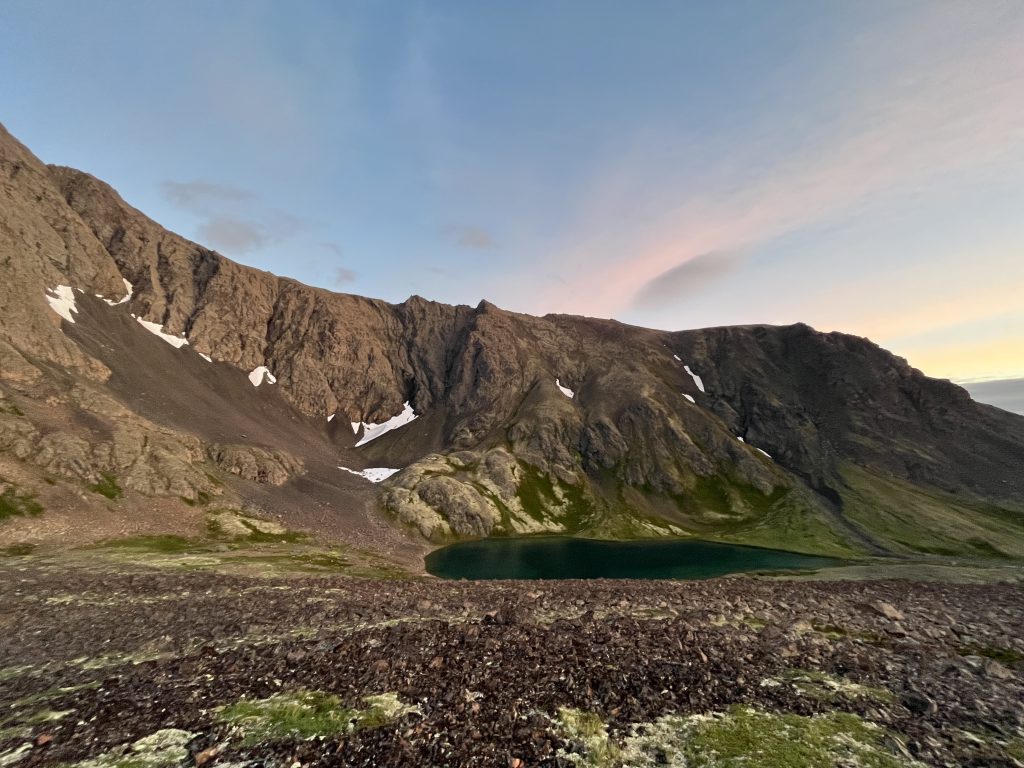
[[161, 373]]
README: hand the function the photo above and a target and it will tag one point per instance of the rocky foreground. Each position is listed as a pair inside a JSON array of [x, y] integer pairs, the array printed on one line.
[[116, 667]]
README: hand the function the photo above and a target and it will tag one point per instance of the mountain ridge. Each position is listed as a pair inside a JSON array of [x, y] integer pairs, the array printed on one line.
[[781, 439]]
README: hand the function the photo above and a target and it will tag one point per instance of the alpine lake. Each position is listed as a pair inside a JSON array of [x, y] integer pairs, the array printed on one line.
[[564, 557]]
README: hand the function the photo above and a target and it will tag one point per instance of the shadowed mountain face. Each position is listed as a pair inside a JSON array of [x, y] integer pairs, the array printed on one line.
[[769, 435]]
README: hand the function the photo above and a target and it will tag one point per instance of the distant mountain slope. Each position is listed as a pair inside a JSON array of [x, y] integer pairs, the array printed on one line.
[[774, 435], [1007, 394]]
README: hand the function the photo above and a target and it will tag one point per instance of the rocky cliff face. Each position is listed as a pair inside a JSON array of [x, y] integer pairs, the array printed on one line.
[[525, 424]]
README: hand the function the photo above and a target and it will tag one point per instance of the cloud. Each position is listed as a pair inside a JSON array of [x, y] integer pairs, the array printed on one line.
[[343, 276], [231, 234], [687, 279], [194, 195], [937, 111], [233, 219], [474, 238], [334, 248]]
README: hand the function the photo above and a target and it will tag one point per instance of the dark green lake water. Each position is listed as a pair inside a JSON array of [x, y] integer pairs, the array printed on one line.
[[561, 557]]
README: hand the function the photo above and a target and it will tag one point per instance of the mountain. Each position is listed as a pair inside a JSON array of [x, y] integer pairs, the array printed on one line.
[[166, 378], [1007, 394]]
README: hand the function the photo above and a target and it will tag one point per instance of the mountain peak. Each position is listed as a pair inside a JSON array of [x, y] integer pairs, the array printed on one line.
[[501, 422]]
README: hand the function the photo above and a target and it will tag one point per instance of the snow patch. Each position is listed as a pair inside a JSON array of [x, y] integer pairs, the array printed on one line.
[[206, 357], [330, 418], [565, 390], [127, 286], [158, 330], [62, 301], [689, 397], [373, 431], [355, 427], [754, 447], [259, 373], [373, 474], [677, 357], [131, 290], [696, 379]]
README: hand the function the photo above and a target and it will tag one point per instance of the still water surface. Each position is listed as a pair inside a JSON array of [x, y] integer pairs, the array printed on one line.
[[562, 557]]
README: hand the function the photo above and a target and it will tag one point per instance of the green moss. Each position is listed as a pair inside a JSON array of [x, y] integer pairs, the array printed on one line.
[[745, 737], [162, 749], [265, 536], [302, 561], [913, 519], [726, 500], [536, 493], [822, 686], [215, 528], [307, 714], [15, 504], [739, 738], [163, 544], [19, 732], [13, 756], [202, 499], [1015, 749], [1007, 656], [569, 505], [985, 548], [53, 693], [17, 550], [835, 632], [587, 735], [107, 486], [231, 525]]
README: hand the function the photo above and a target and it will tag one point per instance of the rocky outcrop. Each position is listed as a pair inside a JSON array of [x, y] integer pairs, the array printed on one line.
[[255, 464], [111, 446]]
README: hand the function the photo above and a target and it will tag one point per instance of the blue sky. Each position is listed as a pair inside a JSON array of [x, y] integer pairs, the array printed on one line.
[[857, 166]]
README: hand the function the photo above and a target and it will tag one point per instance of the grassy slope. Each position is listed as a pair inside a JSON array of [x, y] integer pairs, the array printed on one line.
[[903, 518], [916, 521]]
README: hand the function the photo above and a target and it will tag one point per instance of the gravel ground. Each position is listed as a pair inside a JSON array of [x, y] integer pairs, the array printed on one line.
[[95, 658]]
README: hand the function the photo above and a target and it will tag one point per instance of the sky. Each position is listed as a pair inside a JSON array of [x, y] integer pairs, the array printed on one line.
[[855, 166]]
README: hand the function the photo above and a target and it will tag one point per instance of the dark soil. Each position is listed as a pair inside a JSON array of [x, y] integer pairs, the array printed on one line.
[[488, 664]]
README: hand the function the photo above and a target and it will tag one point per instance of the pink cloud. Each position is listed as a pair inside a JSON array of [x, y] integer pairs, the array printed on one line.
[[950, 105]]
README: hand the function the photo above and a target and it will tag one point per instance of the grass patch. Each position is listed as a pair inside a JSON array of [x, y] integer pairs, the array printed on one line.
[[6, 406], [306, 715], [822, 686], [835, 632], [260, 533], [301, 562], [17, 550], [1007, 656], [918, 520], [15, 504], [748, 737], [739, 738], [107, 486], [234, 526], [1015, 749], [165, 544], [589, 743], [163, 749], [201, 500]]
